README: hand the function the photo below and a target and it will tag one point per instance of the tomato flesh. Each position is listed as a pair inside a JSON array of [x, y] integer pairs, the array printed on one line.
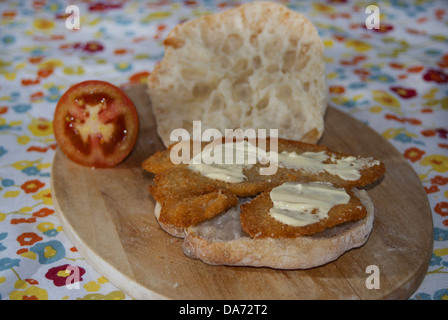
[[96, 124]]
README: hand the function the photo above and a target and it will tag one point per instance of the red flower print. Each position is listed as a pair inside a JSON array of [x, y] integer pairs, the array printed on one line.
[[428, 132], [37, 149], [413, 154], [30, 82], [441, 181], [103, 6], [415, 69], [45, 72], [404, 93], [3, 109], [23, 220], [337, 89], [442, 208], [93, 46], [59, 274], [436, 76], [396, 65], [32, 186], [384, 28], [28, 238], [44, 212], [412, 121], [443, 133], [139, 77], [432, 189], [32, 281], [443, 63]]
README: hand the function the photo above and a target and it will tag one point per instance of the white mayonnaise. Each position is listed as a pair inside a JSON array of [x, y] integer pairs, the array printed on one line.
[[226, 162], [300, 204]]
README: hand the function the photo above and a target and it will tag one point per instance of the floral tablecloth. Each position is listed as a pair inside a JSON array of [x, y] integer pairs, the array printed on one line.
[[394, 78]]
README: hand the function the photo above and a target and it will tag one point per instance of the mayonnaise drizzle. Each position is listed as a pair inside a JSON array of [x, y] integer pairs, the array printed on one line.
[[347, 168], [226, 161], [218, 163], [300, 204]]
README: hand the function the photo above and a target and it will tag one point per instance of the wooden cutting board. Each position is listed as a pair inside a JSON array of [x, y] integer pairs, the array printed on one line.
[[108, 215]]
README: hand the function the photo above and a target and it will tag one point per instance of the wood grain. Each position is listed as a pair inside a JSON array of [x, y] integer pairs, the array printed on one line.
[[108, 215]]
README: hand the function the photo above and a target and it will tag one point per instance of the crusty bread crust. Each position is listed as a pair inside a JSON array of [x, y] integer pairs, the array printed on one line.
[[258, 65], [177, 232], [282, 253]]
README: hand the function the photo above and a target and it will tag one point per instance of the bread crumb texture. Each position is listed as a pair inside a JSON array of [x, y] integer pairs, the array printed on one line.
[[259, 65]]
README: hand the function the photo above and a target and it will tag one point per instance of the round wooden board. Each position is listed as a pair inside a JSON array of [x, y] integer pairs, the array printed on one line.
[[108, 215]]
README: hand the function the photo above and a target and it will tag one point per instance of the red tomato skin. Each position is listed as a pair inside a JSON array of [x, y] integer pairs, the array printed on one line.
[[94, 152]]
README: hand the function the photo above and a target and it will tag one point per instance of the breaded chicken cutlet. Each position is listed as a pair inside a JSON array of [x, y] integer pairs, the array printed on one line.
[[257, 222], [186, 197], [371, 170]]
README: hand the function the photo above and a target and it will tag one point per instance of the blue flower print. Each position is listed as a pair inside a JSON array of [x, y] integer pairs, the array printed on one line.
[[8, 263], [49, 252]]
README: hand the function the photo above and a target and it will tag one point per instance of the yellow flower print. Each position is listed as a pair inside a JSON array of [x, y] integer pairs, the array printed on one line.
[[30, 293], [29, 255], [77, 70], [11, 194], [441, 252], [102, 280], [20, 284], [43, 24], [8, 75], [114, 295], [53, 86], [375, 109], [41, 127], [328, 43], [430, 94], [438, 162], [45, 226], [444, 103], [26, 292], [22, 164], [392, 133], [155, 16], [45, 196], [358, 46], [92, 286], [51, 64], [322, 8], [41, 166], [23, 139], [385, 99]]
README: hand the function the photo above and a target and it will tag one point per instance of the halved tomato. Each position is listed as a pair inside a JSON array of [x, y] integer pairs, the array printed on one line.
[[95, 124]]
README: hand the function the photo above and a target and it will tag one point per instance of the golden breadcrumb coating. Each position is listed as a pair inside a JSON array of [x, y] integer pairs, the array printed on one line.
[[257, 222]]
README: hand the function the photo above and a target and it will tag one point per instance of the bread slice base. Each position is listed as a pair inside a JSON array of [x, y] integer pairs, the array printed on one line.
[[170, 229], [285, 253]]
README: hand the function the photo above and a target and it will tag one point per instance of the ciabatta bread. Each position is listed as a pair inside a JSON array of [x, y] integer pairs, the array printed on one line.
[[222, 241], [259, 65]]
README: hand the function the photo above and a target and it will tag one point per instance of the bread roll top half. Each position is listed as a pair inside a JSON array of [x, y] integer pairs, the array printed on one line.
[[258, 65]]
